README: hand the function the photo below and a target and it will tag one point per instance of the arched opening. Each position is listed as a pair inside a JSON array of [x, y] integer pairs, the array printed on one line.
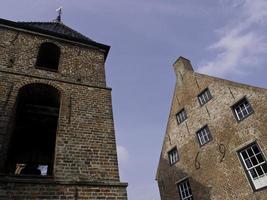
[[32, 145], [48, 56]]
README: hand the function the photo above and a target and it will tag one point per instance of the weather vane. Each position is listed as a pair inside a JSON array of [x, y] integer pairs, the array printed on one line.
[[59, 10]]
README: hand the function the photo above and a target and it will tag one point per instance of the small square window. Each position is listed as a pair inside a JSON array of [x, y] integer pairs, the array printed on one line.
[[185, 191], [204, 135], [173, 156], [242, 109], [181, 116], [204, 97], [255, 165]]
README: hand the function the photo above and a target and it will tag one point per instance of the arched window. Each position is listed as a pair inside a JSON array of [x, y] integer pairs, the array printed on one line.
[[32, 145], [48, 56]]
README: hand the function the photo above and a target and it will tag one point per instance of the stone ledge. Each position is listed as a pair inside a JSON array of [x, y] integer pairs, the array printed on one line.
[[52, 79], [48, 180]]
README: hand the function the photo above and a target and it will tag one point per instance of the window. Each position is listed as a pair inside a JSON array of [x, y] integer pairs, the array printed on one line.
[[181, 116], [255, 165], [204, 135], [242, 109], [185, 190], [173, 156], [48, 56], [204, 96], [32, 146]]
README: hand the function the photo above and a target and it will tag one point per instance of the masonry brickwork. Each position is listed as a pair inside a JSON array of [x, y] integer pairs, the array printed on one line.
[[85, 160], [214, 170]]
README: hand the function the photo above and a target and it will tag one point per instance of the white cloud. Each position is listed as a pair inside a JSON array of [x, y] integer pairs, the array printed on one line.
[[242, 43], [123, 154]]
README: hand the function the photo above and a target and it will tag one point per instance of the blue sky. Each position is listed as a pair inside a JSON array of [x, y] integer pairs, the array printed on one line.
[[223, 38]]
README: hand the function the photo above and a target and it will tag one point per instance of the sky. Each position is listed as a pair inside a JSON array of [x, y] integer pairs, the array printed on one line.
[[223, 38]]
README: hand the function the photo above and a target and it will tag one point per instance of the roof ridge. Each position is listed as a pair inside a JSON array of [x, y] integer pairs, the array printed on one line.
[[60, 26], [57, 29], [33, 22]]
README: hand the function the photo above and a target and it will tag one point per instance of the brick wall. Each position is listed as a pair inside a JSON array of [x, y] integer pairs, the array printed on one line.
[[57, 191], [214, 170], [77, 63], [85, 149]]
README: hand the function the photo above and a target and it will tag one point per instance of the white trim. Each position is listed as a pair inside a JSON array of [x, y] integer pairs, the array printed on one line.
[[185, 190], [259, 181], [241, 109], [181, 180]]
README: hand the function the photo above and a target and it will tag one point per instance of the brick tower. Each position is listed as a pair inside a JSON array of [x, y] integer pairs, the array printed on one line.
[[57, 137]]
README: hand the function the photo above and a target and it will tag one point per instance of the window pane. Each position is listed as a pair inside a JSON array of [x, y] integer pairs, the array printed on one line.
[[240, 114], [183, 194], [203, 141], [253, 173], [250, 153], [248, 163], [255, 149], [186, 193], [244, 154], [254, 161], [245, 112], [206, 139], [260, 158], [259, 170]]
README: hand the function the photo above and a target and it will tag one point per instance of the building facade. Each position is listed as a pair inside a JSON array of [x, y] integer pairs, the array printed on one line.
[[215, 145], [57, 137]]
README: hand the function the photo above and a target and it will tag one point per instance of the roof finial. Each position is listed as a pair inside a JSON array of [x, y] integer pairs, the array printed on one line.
[[59, 10]]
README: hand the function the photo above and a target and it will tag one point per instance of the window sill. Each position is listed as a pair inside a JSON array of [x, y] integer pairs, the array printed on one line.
[[240, 120], [258, 190], [46, 69], [27, 179], [2, 175], [49, 180]]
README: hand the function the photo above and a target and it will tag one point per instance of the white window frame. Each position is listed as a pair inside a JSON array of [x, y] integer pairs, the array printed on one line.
[[242, 109], [173, 156], [204, 136], [181, 116], [185, 190], [204, 96], [255, 168]]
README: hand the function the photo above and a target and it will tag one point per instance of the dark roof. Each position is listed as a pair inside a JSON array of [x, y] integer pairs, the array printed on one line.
[[57, 29]]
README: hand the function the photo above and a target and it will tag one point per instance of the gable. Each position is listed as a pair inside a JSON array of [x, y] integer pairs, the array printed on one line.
[[189, 85]]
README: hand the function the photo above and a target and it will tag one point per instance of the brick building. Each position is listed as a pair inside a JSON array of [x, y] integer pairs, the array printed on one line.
[[57, 137], [215, 144]]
